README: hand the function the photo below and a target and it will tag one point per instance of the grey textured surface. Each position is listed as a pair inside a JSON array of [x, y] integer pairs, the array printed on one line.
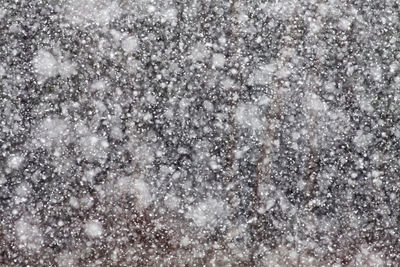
[[199, 133]]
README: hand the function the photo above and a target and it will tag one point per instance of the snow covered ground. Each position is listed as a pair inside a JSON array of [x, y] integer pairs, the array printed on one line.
[[199, 133]]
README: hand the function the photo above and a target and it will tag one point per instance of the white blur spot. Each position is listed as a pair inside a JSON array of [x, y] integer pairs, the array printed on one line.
[[218, 60], [15, 161], [207, 213], [45, 64], [142, 192], [28, 235], [129, 44], [93, 229]]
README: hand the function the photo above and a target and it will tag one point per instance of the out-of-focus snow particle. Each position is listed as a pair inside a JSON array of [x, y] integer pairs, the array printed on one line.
[[67, 68], [23, 190], [295, 135], [129, 44], [365, 104], [176, 175], [248, 115], [171, 201], [14, 162], [86, 202], [2, 71], [345, 23], [15, 28], [151, 99], [142, 193], [45, 64], [3, 179], [207, 213], [242, 18], [350, 68], [376, 173], [376, 73], [170, 15], [394, 66], [185, 241], [240, 152], [208, 105], [51, 132], [362, 139], [315, 103], [116, 133], [233, 71], [283, 72], [218, 60], [214, 165], [315, 27], [132, 64], [100, 12], [93, 147], [323, 9], [99, 85], [270, 203], [222, 40], [263, 75], [28, 235], [93, 229], [151, 8], [377, 181], [3, 12], [330, 86], [66, 259], [227, 83], [199, 52], [117, 35]]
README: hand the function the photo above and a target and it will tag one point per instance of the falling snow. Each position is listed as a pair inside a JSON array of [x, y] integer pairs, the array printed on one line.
[[199, 133]]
